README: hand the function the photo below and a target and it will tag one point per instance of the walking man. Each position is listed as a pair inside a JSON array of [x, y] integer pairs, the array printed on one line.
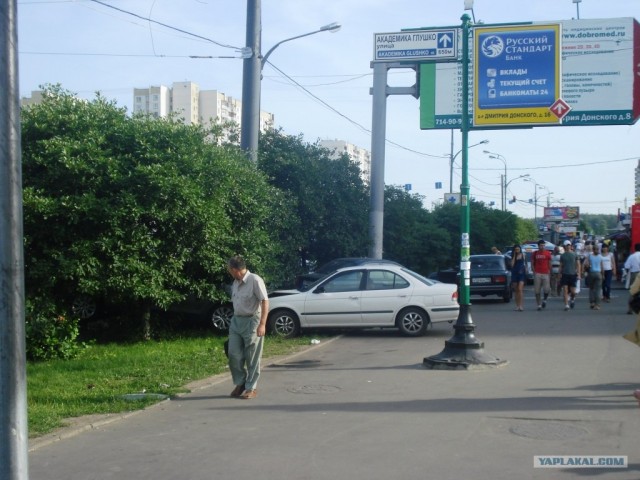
[[541, 263], [570, 271], [247, 329]]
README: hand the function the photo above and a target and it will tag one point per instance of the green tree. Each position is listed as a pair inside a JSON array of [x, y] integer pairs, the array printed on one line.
[[137, 210], [411, 237], [488, 227], [330, 198], [525, 230]]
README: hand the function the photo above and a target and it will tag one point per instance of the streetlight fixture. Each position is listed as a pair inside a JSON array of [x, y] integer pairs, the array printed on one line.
[[525, 176], [452, 159], [577, 2], [503, 184], [332, 27], [535, 198], [252, 75]]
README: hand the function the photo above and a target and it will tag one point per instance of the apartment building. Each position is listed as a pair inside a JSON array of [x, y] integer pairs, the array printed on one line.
[[359, 155], [193, 105]]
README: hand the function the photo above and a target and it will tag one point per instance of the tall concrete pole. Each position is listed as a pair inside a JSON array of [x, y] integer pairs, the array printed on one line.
[[14, 441], [378, 139], [251, 71]]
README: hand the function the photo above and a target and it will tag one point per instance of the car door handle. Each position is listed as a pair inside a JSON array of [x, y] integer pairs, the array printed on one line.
[[403, 296], [354, 298]]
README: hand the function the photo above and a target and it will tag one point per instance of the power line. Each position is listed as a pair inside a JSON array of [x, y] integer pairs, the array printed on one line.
[[564, 165], [155, 55], [353, 122], [146, 19]]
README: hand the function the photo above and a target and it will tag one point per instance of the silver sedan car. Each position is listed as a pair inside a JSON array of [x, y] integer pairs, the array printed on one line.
[[366, 296]]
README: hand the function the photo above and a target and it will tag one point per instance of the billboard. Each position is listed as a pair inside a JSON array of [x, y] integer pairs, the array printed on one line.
[[517, 72], [600, 77], [561, 214]]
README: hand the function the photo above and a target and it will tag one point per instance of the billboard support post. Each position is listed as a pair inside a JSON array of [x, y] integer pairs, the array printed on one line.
[[464, 351]]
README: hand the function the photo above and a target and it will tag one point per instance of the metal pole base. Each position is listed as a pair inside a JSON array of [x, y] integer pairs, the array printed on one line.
[[463, 351]]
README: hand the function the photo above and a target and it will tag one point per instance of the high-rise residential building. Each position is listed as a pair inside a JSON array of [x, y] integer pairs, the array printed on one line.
[[359, 155], [193, 105], [155, 101], [35, 98]]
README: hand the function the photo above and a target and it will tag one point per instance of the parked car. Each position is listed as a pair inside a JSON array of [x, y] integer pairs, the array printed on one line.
[[307, 279], [490, 276], [379, 294], [219, 313]]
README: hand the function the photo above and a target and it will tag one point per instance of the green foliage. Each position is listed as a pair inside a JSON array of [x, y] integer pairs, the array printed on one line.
[[488, 227], [411, 237], [95, 381], [138, 210], [598, 224], [330, 199], [525, 230], [50, 333]]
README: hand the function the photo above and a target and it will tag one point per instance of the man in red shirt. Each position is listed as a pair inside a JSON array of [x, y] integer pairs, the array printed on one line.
[[541, 264]]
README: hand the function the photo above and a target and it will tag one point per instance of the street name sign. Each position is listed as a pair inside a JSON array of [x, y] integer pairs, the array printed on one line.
[[440, 44]]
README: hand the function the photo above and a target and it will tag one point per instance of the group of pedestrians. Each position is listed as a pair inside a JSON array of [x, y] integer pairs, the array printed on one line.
[[562, 271]]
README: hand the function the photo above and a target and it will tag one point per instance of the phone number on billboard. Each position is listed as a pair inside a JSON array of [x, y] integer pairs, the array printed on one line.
[[448, 122]]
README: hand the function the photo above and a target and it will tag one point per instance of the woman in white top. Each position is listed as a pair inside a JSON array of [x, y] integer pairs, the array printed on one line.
[[609, 269]]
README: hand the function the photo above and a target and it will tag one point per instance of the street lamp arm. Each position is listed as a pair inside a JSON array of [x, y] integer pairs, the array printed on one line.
[[453, 157], [253, 64], [332, 27], [517, 178]]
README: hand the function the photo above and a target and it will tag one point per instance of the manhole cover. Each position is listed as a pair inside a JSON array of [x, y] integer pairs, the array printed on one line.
[[314, 389], [548, 431]]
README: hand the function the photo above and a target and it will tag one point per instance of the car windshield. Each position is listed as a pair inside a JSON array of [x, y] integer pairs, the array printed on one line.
[[309, 286], [419, 277]]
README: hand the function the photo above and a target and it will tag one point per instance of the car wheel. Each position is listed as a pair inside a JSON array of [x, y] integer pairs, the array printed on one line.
[[84, 307], [412, 322], [284, 323], [221, 317]]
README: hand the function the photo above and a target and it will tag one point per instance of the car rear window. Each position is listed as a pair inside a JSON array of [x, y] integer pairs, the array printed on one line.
[[419, 277], [487, 263]]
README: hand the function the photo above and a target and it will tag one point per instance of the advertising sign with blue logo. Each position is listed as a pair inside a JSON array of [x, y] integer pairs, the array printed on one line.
[[517, 74]]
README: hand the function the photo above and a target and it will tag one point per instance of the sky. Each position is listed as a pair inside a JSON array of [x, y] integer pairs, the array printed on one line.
[[318, 86]]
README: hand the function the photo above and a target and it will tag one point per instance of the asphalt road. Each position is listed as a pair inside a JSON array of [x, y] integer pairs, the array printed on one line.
[[363, 407]]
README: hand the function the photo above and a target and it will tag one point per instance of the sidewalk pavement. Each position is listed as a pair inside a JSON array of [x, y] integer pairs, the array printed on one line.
[[363, 407]]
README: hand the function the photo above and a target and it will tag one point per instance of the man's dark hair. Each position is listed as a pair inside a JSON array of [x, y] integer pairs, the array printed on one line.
[[237, 263], [636, 247]]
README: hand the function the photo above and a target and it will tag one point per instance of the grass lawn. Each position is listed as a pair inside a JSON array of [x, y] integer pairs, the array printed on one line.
[[95, 382]]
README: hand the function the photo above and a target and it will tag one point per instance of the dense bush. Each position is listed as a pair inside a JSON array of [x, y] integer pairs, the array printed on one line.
[[49, 332]]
